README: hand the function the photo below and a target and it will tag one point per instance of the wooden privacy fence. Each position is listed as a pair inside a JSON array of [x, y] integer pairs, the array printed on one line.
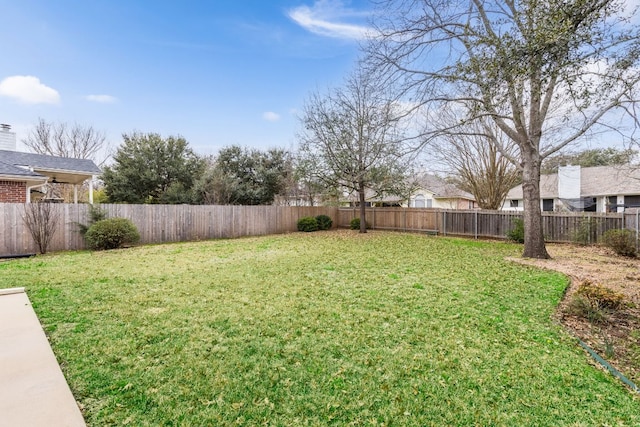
[[585, 227], [174, 223], [156, 223]]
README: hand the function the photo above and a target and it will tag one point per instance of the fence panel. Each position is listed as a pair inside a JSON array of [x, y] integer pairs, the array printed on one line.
[[422, 219], [557, 227], [495, 224], [157, 223], [172, 223]]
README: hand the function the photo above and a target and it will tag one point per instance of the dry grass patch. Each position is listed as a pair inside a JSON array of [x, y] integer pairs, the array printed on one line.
[[613, 333]]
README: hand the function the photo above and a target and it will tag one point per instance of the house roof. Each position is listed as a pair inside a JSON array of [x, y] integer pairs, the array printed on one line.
[[43, 161], [441, 188], [594, 182], [370, 196], [426, 182], [10, 170], [41, 167]]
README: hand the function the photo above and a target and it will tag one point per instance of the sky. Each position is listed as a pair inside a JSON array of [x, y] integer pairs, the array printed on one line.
[[216, 72]]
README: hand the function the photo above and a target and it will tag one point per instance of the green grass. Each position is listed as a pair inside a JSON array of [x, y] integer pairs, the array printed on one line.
[[316, 329]]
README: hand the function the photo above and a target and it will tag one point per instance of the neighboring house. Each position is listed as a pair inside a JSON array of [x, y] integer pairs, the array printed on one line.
[[21, 174], [371, 200], [434, 192], [431, 192], [594, 189]]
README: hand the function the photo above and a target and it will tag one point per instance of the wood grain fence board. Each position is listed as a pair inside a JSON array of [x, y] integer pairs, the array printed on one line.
[[158, 223], [170, 223], [557, 227]]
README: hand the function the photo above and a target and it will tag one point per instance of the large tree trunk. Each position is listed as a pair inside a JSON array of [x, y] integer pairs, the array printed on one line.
[[534, 246], [363, 208]]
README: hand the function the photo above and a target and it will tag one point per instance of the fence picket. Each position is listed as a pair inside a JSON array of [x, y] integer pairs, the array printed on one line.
[[557, 226], [157, 223], [169, 223]]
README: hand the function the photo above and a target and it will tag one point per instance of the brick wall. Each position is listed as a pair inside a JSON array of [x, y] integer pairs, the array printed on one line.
[[13, 192]]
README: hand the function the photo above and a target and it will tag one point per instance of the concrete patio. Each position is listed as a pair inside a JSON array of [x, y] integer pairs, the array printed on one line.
[[33, 390]]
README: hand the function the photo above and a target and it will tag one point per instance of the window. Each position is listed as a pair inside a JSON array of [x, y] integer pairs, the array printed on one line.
[[514, 203], [631, 201], [590, 204], [612, 204], [418, 202], [429, 203], [547, 205]]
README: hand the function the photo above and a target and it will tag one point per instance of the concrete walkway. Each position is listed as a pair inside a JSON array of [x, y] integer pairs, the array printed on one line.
[[33, 391]]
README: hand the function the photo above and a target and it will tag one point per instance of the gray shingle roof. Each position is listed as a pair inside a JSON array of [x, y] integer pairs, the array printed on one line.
[[441, 188], [7, 169], [594, 182], [42, 161]]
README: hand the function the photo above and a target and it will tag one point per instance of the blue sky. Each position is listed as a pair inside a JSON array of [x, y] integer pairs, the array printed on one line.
[[216, 72]]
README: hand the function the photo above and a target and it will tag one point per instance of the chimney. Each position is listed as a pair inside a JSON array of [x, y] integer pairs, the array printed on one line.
[[569, 182], [7, 138]]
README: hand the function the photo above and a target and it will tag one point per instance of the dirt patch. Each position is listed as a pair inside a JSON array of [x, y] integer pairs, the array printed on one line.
[[617, 338]]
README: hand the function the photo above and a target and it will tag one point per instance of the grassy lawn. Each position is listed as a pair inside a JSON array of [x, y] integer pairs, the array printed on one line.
[[316, 329]]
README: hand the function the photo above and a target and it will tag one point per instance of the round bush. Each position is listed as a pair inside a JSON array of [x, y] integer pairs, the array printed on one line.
[[623, 242], [516, 234], [355, 224], [307, 224], [600, 296], [111, 233], [324, 222]]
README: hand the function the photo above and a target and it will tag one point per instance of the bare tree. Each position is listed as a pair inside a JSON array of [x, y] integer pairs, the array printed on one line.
[[42, 220], [306, 183], [354, 140], [473, 155], [546, 72], [60, 139]]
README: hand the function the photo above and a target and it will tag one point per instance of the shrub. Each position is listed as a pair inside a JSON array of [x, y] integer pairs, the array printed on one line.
[[355, 224], [42, 221], [516, 234], [324, 222], [96, 213], [623, 242], [581, 307], [600, 296], [307, 224], [111, 233], [594, 302]]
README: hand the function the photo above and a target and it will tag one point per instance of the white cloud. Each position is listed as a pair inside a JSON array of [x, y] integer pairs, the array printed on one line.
[[327, 18], [28, 90], [270, 116], [103, 99]]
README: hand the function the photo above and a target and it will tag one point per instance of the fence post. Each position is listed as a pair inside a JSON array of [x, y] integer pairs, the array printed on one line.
[[444, 222], [476, 224], [637, 216], [373, 210], [405, 220]]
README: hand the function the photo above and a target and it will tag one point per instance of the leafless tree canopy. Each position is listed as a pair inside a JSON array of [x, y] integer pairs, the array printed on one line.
[[61, 139], [476, 159], [546, 72], [353, 138]]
